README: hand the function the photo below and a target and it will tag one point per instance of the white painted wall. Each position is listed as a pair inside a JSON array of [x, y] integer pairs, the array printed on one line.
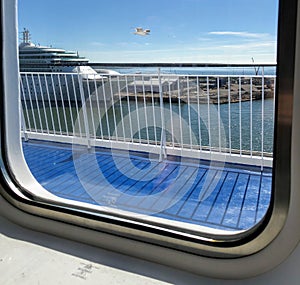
[[28, 257]]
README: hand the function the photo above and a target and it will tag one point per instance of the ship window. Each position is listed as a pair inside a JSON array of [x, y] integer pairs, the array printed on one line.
[[202, 158], [168, 149]]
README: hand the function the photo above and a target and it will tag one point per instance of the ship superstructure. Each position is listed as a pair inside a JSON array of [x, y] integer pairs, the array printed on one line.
[[38, 58]]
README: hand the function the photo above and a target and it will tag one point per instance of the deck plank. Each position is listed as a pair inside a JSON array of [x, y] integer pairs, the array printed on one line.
[[231, 197]]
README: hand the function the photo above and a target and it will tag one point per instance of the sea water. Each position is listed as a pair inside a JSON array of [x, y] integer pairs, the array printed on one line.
[[231, 125], [224, 71]]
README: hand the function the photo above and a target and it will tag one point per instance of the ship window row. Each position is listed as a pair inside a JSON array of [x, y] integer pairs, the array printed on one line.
[[27, 58]]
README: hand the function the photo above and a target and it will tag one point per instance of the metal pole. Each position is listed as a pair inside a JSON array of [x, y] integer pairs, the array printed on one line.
[[262, 117], [163, 152], [23, 124], [84, 111]]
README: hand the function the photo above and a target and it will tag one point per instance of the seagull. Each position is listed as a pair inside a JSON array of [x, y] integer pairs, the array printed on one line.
[[141, 32]]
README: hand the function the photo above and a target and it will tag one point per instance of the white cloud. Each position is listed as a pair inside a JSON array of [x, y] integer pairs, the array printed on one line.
[[239, 34], [207, 49], [220, 54], [247, 46]]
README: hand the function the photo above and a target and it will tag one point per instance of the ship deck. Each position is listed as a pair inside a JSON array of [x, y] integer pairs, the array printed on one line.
[[227, 196]]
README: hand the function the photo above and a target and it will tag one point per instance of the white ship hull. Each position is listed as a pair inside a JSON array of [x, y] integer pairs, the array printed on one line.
[[60, 87]]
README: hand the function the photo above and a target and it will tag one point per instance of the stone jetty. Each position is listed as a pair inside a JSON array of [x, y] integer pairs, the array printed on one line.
[[187, 90]]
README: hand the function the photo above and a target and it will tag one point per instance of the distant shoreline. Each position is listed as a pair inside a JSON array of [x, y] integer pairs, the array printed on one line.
[[220, 69]]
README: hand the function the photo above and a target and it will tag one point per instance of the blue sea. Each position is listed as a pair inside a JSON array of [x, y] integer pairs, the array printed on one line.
[[246, 125], [239, 125], [255, 70]]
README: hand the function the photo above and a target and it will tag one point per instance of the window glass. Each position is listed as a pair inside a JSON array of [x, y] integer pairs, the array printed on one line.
[[159, 111]]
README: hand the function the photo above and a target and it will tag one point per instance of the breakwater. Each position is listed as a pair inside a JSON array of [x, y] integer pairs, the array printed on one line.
[[214, 91]]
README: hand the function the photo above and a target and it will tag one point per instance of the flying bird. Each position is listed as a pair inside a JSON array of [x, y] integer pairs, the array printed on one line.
[[141, 32]]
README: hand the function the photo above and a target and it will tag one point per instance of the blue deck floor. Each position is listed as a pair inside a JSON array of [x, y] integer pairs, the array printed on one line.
[[227, 197]]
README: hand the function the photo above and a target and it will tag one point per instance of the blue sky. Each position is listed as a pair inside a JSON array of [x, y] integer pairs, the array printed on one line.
[[195, 31]]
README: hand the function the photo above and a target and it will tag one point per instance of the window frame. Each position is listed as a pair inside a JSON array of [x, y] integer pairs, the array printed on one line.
[[159, 244]]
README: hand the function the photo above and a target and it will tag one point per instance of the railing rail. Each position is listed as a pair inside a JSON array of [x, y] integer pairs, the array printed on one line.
[[230, 115]]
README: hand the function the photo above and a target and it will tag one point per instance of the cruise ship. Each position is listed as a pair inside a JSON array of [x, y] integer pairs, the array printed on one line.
[[62, 71]]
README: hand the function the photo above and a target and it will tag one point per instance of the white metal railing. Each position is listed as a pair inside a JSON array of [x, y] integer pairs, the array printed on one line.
[[162, 113]]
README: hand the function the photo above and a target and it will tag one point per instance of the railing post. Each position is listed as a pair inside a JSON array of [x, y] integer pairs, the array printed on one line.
[[262, 117], [84, 111], [23, 124], [163, 151]]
